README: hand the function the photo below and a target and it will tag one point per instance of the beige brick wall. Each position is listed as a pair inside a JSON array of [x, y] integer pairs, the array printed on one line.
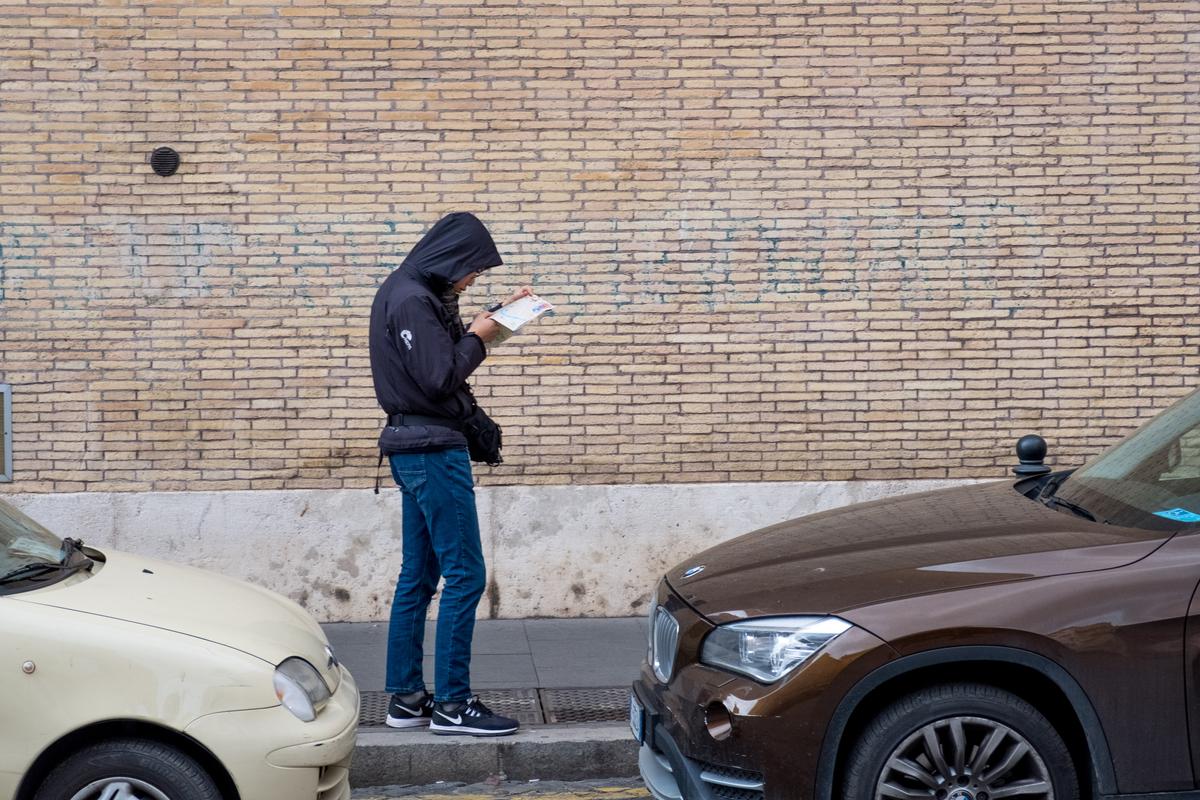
[[788, 241]]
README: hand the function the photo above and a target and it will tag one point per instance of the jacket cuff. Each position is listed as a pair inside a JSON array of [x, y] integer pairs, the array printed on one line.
[[482, 346]]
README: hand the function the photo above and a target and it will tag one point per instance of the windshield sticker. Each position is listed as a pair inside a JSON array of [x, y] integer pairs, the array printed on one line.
[[1178, 515]]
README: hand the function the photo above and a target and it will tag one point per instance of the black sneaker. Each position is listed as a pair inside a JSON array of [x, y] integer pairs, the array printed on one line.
[[471, 718], [410, 710]]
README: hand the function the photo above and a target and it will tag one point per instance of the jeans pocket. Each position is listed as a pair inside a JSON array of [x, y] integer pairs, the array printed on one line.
[[410, 482], [408, 471]]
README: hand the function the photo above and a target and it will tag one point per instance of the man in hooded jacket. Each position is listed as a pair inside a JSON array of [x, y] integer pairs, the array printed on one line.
[[421, 357]]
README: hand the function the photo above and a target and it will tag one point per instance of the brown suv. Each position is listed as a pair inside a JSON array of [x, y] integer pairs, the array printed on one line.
[[1033, 639]]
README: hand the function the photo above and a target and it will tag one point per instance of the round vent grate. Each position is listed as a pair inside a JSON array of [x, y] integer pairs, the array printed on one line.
[[164, 161]]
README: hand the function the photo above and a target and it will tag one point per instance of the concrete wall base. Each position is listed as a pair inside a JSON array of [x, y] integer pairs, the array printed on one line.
[[552, 551]]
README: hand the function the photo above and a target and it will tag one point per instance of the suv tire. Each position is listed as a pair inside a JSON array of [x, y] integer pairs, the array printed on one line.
[[896, 751], [149, 771]]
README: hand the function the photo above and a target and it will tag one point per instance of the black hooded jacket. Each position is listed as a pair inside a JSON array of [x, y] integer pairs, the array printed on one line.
[[421, 355]]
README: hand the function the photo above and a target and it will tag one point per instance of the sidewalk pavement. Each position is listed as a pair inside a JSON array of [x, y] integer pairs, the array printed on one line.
[[566, 680]]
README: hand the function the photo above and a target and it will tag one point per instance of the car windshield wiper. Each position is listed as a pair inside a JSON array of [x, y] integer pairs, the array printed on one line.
[[72, 558], [1049, 497], [32, 571], [71, 548], [1050, 487], [1075, 508]]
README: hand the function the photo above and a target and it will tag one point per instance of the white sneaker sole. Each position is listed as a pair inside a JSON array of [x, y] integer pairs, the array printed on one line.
[[406, 722], [463, 730]]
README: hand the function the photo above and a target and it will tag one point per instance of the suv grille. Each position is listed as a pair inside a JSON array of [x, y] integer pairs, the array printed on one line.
[[665, 641]]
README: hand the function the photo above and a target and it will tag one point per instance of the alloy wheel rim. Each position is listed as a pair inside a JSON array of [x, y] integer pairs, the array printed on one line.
[[964, 758], [119, 789]]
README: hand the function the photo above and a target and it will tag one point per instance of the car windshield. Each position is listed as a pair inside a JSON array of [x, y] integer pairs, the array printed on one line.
[[24, 542], [1150, 479]]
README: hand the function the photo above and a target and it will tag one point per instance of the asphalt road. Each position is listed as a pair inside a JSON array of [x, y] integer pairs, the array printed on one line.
[[616, 789]]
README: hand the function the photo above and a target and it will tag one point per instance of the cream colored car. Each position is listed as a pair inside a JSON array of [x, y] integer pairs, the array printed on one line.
[[125, 678]]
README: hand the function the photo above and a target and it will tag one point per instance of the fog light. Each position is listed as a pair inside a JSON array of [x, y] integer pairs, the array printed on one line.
[[719, 721]]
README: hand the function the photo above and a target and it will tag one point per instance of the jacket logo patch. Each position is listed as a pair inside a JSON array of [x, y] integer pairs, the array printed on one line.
[[407, 337]]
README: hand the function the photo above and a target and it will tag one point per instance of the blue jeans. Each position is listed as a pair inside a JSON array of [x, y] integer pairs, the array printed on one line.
[[441, 539]]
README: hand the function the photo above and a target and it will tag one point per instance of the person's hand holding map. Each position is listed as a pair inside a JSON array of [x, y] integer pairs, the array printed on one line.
[[525, 308]]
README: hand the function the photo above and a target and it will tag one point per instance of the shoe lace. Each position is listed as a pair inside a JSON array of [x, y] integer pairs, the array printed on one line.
[[476, 708]]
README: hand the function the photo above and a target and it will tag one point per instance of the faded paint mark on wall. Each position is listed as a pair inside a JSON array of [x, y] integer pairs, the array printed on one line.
[[910, 258], [172, 263], [19, 246]]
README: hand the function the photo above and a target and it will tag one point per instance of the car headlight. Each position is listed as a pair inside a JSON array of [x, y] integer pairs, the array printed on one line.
[[300, 688], [768, 649]]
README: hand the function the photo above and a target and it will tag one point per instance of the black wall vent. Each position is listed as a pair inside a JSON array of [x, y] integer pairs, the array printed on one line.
[[164, 161]]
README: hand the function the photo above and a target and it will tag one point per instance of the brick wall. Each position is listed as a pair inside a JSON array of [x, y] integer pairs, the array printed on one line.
[[800, 240]]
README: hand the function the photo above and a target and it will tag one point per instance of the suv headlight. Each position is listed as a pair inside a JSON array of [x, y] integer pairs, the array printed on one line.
[[300, 688], [768, 649]]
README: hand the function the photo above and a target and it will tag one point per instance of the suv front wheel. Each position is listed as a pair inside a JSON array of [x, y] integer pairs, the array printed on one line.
[[960, 742]]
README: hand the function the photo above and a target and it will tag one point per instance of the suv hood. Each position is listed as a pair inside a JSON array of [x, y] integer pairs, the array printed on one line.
[[193, 602], [897, 547]]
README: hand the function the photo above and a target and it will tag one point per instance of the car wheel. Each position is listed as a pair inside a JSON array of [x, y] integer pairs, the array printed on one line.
[[961, 742], [128, 769]]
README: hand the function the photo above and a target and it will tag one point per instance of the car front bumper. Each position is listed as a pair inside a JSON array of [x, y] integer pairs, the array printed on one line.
[[271, 755], [678, 760], [778, 729]]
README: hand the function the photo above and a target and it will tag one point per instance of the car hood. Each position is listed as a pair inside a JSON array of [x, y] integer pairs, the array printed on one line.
[[193, 602], [902, 546]]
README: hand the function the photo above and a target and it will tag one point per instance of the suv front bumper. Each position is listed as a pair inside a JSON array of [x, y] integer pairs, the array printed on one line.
[[777, 729], [670, 775]]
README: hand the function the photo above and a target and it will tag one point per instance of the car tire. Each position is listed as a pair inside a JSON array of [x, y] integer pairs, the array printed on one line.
[[894, 757], [149, 771]]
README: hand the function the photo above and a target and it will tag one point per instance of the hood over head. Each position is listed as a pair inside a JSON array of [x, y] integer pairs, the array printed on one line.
[[457, 245]]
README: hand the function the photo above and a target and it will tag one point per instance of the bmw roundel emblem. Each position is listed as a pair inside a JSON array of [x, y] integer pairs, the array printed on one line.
[[693, 572]]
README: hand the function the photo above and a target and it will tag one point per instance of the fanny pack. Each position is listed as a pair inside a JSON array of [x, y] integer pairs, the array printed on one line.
[[484, 437], [404, 420]]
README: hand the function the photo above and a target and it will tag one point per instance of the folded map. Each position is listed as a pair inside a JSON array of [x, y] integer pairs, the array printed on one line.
[[517, 313]]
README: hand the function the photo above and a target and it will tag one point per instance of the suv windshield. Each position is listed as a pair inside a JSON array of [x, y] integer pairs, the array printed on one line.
[[1149, 480], [25, 548]]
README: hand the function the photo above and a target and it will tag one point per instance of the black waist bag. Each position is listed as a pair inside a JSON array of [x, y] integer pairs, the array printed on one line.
[[484, 438]]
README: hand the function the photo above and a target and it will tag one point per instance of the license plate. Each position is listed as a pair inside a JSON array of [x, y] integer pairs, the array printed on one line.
[[636, 717]]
